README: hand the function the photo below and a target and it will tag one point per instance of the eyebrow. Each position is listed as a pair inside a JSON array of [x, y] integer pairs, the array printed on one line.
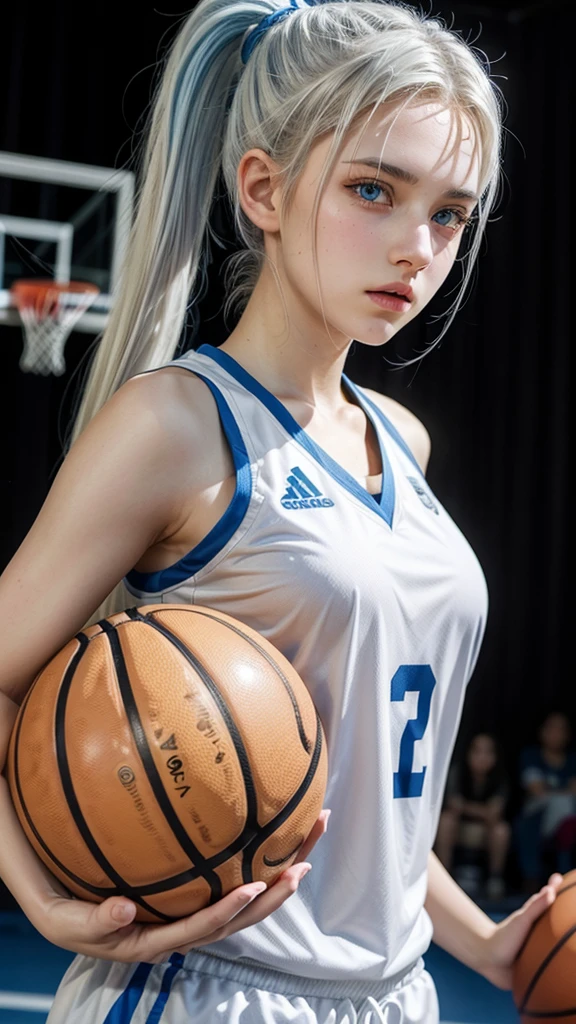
[[408, 178]]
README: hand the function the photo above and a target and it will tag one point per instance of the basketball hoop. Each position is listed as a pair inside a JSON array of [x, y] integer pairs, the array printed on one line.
[[49, 310]]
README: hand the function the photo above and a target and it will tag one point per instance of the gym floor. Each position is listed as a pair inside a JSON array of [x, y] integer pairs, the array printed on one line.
[[31, 968]]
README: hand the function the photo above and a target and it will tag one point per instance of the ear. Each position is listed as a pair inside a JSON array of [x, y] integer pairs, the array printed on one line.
[[259, 189]]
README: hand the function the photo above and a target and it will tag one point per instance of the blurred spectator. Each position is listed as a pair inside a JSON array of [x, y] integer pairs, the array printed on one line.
[[473, 815], [546, 825]]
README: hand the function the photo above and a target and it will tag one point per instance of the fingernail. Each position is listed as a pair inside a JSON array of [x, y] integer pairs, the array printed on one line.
[[327, 819], [122, 912], [305, 868]]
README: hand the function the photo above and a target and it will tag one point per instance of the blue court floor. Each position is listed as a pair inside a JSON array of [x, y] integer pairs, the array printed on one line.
[[31, 968]]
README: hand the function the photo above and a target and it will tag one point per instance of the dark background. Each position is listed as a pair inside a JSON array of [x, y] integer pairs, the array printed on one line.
[[495, 395]]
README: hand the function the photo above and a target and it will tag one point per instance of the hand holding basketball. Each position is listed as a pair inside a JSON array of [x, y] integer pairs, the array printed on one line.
[[92, 929], [506, 941]]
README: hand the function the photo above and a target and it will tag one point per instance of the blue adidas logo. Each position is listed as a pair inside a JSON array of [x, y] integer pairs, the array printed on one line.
[[302, 493]]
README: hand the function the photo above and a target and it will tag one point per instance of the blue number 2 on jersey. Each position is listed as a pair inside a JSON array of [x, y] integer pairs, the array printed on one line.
[[420, 678]]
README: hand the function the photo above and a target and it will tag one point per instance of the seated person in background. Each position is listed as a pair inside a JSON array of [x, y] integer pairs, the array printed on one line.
[[473, 815], [547, 821]]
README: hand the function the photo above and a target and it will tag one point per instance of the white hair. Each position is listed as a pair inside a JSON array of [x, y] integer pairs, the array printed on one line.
[[323, 69]]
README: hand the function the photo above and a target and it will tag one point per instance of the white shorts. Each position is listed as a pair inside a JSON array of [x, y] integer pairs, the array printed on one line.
[[204, 989]]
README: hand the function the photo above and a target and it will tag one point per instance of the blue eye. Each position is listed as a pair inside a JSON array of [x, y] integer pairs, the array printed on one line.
[[369, 185], [450, 213], [375, 187]]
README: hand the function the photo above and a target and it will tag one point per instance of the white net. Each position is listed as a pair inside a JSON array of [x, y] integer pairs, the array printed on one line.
[[49, 313]]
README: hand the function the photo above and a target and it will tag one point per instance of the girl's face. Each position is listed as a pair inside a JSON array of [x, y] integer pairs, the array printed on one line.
[[481, 755], [379, 227]]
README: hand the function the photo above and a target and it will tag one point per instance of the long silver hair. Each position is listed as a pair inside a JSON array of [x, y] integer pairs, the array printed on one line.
[[325, 68]]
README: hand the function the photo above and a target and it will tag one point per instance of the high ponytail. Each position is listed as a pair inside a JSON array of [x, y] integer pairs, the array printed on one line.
[[326, 68], [168, 244]]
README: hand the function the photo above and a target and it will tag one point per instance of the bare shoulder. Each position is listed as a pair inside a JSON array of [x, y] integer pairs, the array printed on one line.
[[177, 398], [146, 430], [407, 424], [187, 423]]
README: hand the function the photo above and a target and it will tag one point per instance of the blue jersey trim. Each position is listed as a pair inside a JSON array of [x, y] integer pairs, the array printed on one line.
[[387, 496], [176, 961], [389, 427], [123, 1009], [224, 529], [385, 509], [397, 437]]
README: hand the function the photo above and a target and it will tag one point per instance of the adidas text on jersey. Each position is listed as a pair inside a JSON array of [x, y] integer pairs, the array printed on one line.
[[302, 493]]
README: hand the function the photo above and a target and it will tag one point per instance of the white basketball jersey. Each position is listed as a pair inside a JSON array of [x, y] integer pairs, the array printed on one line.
[[380, 606]]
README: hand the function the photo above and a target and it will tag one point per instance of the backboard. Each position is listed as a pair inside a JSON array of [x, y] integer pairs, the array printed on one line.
[[63, 220]]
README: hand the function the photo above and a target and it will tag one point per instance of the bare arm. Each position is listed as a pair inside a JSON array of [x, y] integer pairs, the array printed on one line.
[[460, 926], [100, 516], [117, 492]]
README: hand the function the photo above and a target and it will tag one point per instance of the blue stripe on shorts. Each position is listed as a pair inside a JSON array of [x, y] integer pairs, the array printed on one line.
[[123, 1009], [176, 961]]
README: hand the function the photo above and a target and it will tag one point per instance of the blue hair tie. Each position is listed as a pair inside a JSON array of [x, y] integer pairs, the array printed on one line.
[[256, 34]]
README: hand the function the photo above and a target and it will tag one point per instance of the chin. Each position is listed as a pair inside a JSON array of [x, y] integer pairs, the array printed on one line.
[[376, 338]]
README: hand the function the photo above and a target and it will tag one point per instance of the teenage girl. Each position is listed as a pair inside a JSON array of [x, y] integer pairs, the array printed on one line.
[[359, 143]]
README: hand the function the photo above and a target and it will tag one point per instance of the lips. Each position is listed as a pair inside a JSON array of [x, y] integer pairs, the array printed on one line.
[[384, 299], [398, 289]]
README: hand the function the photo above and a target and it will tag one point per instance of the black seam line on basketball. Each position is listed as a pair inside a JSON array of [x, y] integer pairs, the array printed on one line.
[[241, 752], [306, 743], [547, 959], [190, 876], [104, 892], [267, 830], [215, 861], [69, 792], [101, 891], [547, 1014], [149, 764], [95, 890], [560, 892], [174, 881]]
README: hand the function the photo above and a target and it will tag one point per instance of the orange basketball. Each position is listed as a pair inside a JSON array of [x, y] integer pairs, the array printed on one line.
[[544, 984], [169, 754]]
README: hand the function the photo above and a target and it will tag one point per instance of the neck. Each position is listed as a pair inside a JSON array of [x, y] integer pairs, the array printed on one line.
[[296, 360]]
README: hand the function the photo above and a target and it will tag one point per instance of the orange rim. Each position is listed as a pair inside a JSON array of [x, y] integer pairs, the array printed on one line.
[[31, 292]]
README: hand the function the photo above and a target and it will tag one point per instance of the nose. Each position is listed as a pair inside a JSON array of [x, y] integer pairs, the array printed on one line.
[[412, 245]]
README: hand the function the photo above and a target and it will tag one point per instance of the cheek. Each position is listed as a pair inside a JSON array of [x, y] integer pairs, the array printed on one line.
[[345, 235], [441, 266], [347, 245]]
